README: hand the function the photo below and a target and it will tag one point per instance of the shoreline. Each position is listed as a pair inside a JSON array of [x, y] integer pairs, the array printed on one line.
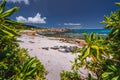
[[71, 40]]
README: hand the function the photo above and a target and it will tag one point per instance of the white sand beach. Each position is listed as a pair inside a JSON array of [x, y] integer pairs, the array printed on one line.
[[54, 60]]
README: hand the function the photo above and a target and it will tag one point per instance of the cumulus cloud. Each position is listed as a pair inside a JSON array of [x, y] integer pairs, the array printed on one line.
[[35, 19], [19, 1], [21, 19], [72, 24]]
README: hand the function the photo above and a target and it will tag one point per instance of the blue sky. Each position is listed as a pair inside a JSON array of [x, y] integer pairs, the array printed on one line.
[[62, 13]]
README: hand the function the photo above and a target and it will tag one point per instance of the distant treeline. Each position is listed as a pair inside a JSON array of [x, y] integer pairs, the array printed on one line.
[[23, 26]]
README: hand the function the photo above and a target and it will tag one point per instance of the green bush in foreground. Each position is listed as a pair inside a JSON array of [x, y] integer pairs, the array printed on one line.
[[101, 56], [30, 69], [15, 63], [69, 75]]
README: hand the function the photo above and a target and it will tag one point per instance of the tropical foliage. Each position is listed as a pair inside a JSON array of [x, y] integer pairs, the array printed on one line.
[[91, 55], [101, 56], [70, 75], [15, 63]]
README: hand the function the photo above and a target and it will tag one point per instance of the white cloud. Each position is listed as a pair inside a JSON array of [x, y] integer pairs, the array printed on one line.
[[35, 19], [21, 19], [19, 1], [72, 24], [74, 27]]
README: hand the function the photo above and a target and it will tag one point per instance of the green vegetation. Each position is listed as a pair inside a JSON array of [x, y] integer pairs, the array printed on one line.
[[101, 56], [70, 75], [15, 63], [26, 27]]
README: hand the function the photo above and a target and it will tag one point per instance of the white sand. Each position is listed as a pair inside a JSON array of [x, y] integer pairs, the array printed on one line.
[[53, 60]]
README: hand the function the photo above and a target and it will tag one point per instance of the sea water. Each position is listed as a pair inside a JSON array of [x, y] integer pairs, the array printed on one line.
[[97, 31], [78, 33]]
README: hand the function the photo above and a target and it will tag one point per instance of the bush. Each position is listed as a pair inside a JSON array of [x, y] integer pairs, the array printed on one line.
[[15, 63], [70, 75]]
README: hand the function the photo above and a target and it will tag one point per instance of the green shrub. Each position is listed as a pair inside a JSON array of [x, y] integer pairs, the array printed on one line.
[[70, 75], [15, 63], [30, 69]]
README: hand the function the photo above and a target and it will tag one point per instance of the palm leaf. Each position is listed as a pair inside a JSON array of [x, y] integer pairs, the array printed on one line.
[[106, 74], [10, 30], [6, 32], [32, 71], [13, 22], [92, 36], [96, 48], [117, 3], [86, 53], [115, 78], [86, 37], [112, 67], [9, 12], [2, 6], [27, 64]]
